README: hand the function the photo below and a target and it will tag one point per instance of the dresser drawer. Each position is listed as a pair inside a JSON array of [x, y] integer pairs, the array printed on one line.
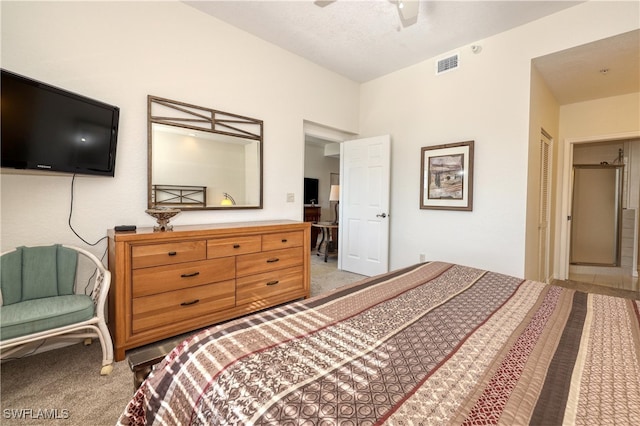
[[167, 308], [160, 279], [167, 283], [222, 247], [262, 286], [256, 263], [144, 256], [282, 240]]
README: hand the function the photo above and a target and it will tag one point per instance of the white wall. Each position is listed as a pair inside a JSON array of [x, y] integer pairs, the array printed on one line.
[[617, 114], [603, 118], [193, 161], [487, 100], [119, 52], [543, 114]]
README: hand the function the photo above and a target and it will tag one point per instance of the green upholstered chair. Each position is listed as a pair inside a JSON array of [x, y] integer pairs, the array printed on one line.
[[42, 297]]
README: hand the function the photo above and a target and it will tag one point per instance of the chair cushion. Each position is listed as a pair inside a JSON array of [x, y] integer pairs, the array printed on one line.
[[11, 277], [34, 272], [67, 264], [32, 316], [39, 272]]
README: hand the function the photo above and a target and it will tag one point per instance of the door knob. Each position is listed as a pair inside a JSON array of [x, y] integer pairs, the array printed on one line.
[[383, 215]]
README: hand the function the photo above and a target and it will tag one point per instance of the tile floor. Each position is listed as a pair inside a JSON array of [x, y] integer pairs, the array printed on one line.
[[609, 277]]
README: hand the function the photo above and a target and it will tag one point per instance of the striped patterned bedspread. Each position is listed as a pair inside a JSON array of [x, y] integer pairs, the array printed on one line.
[[434, 343]]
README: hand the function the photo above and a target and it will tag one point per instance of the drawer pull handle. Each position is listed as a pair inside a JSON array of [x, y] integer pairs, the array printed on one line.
[[193, 302], [193, 274], [273, 282], [284, 240], [273, 260], [172, 253], [236, 246]]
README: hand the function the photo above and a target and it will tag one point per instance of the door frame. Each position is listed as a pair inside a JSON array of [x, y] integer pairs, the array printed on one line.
[[332, 136], [562, 260], [544, 236]]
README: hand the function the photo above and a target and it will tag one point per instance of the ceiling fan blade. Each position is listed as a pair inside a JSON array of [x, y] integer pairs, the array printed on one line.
[[323, 3], [408, 10]]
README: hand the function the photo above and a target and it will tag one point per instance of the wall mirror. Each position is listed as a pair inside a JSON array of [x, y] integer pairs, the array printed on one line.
[[202, 159]]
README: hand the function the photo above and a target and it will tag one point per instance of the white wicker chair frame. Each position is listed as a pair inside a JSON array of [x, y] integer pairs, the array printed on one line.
[[87, 330]]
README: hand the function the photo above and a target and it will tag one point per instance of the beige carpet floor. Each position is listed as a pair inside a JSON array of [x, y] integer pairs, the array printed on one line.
[[64, 386]]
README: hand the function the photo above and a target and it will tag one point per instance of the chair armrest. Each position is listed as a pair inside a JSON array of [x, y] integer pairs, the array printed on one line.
[[101, 281]]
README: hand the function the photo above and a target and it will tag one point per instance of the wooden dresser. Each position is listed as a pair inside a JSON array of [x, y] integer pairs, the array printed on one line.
[[168, 283], [312, 214]]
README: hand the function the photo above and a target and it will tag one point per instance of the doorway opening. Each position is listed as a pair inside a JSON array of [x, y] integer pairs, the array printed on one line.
[[322, 167], [601, 244]]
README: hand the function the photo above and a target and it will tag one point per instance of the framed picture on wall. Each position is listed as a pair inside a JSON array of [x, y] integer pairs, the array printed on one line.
[[446, 177]]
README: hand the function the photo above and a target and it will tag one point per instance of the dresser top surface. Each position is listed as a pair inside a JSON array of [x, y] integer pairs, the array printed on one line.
[[213, 229]]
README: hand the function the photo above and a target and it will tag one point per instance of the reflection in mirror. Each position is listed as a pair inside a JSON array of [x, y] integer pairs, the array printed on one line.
[[203, 159]]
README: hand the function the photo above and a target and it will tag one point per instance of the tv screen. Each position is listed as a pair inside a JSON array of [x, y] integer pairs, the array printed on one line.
[[47, 128], [310, 191]]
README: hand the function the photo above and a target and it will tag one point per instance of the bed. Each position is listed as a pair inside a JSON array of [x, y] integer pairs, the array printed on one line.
[[178, 195], [434, 343]]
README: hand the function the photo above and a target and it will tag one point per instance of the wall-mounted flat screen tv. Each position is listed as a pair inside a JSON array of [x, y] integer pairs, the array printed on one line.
[[310, 191], [48, 128]]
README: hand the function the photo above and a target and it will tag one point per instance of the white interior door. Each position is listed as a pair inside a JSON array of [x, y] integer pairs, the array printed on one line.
[[364, 205]]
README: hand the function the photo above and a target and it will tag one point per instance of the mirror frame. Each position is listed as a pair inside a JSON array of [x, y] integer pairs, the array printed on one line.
[[209, 120]]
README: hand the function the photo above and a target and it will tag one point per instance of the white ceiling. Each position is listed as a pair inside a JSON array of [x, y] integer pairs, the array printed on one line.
[[607, 67], [366, 39]]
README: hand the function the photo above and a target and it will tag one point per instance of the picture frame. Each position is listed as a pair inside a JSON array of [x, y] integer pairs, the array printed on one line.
[[446, 176]]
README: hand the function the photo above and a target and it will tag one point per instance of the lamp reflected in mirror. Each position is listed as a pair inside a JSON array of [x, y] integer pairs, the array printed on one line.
[[227, 200]]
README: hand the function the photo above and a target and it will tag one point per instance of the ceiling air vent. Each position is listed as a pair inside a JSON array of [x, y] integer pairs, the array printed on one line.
[[447, 64]]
